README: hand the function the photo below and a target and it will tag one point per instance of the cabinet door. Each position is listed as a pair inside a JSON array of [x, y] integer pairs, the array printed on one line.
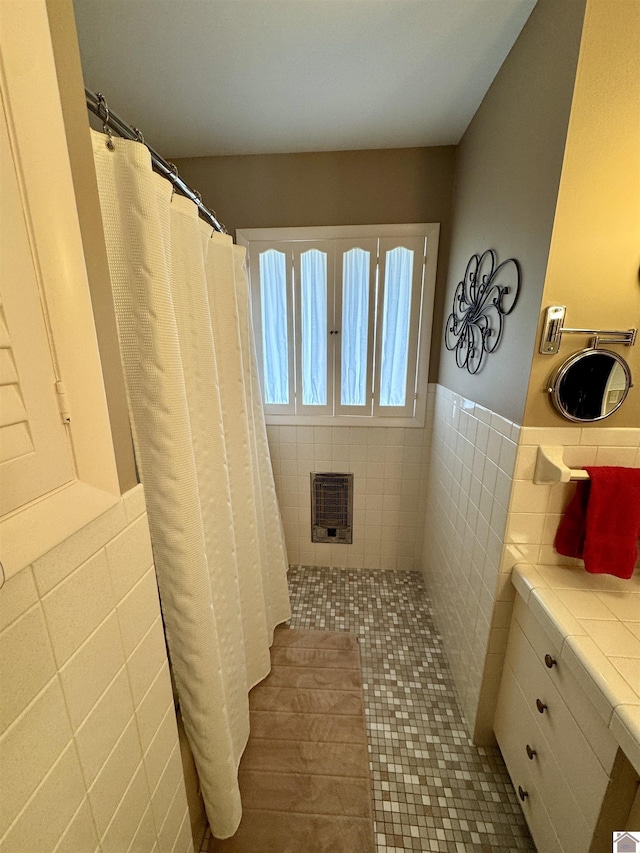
[[35, 454], [57, 466]]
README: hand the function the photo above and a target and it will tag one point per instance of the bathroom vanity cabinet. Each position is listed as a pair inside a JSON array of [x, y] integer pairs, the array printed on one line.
[[568, 713]]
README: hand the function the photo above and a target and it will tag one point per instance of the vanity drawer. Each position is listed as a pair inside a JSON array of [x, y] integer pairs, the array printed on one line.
[[543, 810], [589, 721], [559, 736]]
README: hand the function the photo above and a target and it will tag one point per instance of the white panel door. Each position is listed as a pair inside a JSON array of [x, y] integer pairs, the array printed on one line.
[[35, 452], [57, 471]]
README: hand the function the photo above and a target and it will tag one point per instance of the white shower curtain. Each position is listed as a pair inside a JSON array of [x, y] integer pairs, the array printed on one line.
[[180, 293]]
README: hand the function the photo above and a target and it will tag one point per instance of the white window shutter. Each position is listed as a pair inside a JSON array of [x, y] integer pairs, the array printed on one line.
[[368, 362], [35, 453], [355, 311], [58, 469], [401, 267], [316, 330], [277, 353]]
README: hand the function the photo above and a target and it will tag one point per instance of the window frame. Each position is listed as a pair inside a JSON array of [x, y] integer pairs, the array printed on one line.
[[422, 315]]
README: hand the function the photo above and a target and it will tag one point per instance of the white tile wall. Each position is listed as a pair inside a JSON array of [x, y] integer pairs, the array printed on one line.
[[484, 513], [535, 511], [473, 457], [390, 480], [88, 733]]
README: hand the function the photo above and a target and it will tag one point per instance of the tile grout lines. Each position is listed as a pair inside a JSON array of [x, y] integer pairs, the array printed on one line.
[[433, 790]]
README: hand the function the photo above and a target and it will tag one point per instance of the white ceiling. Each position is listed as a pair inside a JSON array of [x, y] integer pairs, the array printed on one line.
[[205, 77]]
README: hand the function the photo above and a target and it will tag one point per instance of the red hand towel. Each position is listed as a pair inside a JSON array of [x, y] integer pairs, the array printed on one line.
[[602, 522]]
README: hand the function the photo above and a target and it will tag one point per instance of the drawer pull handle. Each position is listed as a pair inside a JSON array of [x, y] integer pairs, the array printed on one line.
[[531, 752], [522, 794], [540, 706], [549, 661]]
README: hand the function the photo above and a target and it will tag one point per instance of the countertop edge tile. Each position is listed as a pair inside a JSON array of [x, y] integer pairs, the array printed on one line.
[[625, 728], [593, 672], [526, 579], [554, 616]]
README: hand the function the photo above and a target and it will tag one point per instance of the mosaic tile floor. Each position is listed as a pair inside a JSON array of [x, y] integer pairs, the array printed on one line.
[[433, 789]]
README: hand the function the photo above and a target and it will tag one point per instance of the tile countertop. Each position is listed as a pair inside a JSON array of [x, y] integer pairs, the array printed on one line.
[[595, 621]]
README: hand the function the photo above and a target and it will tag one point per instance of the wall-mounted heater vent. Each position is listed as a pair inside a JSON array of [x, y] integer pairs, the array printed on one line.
[[332, 508]]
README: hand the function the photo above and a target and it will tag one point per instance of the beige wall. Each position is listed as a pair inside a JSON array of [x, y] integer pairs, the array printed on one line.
[[325, 188], [333, 188], [507, 175], [595, 249]]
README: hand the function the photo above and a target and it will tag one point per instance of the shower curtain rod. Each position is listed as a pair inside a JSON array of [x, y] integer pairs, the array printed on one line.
[[97, 105]]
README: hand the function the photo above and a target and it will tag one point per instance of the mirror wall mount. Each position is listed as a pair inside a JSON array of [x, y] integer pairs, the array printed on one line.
[[554, 329], [590, 385]]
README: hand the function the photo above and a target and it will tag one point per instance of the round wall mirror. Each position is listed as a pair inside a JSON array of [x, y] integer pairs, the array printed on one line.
[[590, 385]]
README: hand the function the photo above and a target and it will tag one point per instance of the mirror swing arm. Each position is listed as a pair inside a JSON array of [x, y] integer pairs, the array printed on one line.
[[593, 383], [554, 329]]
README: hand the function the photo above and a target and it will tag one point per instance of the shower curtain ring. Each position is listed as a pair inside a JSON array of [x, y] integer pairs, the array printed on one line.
[[174, 171], [224, 227], [102, 107], [139, 135]]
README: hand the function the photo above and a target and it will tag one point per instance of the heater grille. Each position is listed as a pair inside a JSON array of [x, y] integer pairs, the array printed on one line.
[[331, 508]]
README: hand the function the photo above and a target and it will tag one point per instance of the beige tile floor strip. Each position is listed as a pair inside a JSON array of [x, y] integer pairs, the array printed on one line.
[[304, 776]]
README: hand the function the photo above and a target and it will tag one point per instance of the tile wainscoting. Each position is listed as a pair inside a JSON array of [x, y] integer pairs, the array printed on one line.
[[390, 485], [88, 728], [484, 513], [535, 511], [470, 480]]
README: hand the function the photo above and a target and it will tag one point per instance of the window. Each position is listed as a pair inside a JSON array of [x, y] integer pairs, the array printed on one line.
[[342, 321]]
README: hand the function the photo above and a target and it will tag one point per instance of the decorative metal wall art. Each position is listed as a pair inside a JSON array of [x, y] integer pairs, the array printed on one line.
[[482, 300]]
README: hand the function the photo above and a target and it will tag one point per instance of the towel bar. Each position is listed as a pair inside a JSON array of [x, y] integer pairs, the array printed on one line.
[[550, 468]]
